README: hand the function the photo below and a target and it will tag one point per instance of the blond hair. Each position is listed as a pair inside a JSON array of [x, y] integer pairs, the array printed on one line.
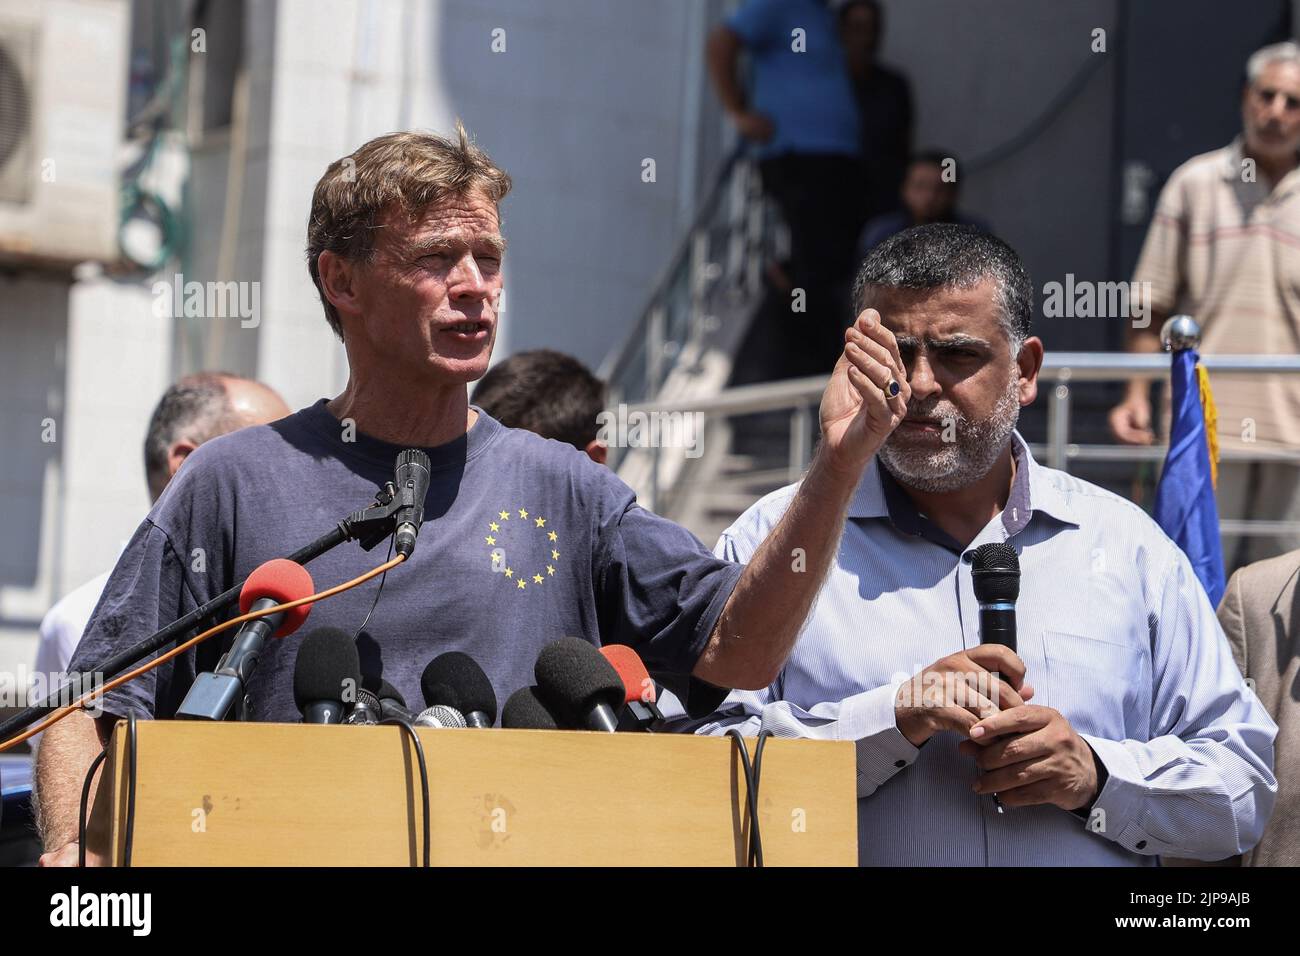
[[406, 171]]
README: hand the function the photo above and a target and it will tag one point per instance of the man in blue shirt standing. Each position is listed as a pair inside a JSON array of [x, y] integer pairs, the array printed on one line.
[[1119, 730], [804, 121]]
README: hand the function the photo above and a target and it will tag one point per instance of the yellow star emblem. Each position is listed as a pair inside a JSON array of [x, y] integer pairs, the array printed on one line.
[[509, 573], [541, 522], [504, 515], [493, 526], [550, 570], [537, 579], [555, 555], [521, 584], [523, 513], [550, 535], [490, 540]]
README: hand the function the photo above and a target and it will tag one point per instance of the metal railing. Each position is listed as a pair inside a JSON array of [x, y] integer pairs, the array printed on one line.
[[801, 398], [721, 254]]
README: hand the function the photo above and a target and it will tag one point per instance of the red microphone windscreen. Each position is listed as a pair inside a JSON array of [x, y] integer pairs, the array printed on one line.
[[637, 684], [284, 581]]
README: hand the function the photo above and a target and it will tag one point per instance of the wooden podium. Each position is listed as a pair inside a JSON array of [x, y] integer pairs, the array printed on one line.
[[236, 794]]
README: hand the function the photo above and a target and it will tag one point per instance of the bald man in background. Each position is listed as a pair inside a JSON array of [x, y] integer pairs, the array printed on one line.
[[196, 409]]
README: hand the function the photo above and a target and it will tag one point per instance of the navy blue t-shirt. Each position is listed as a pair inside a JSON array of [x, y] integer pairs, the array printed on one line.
[[525, 540]]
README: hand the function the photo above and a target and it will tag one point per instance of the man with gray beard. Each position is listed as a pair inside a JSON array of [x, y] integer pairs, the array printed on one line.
[[1142, 740]]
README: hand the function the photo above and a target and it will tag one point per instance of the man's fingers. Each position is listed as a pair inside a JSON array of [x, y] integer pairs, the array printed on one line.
[[1006, 751], [1003, 660], [870, 325], [1017, 720], [1021, 774]]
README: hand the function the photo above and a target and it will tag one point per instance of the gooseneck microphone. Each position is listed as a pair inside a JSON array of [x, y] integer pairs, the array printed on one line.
[[995, 576], [455, 680], [412, 481], [326, 674], [212, 694], [584, 687]]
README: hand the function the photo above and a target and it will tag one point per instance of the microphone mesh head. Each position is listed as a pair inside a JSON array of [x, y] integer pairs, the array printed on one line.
[[440, 716], [995, 573]]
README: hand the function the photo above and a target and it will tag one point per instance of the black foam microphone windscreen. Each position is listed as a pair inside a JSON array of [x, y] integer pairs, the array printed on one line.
[[525, 710], [583, 685], [326, 673], [461, 676]]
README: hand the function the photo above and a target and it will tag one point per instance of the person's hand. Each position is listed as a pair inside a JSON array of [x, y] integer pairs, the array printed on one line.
[[753, 126], [1032, 755], [958, 691], [1130, 420], [64, 856], [857, 412]]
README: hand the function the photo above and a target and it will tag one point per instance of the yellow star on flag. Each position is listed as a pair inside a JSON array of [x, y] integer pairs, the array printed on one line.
[[490, 540], [521, 584], [541, 522], [504, 515], [493, 526], [509, 573], [523, 513], [550, 570], [555, 555], [550, 535]]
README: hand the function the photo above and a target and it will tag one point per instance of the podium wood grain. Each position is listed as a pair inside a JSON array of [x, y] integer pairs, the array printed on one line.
[[232, 794]]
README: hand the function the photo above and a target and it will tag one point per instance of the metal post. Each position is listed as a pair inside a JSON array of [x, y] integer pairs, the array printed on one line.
[[800, 440], [1058, 423]]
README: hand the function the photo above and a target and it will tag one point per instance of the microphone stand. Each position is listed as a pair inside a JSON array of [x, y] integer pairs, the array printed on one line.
[[368, 527]]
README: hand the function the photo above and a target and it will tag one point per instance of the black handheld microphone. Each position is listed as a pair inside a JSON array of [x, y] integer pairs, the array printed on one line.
[[583, 685], [455, 680], [412, 480], [326, 673], [995, 576]]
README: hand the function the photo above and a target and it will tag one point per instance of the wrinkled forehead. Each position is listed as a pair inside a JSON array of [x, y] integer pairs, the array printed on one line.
[[467, 218], [940, 313]]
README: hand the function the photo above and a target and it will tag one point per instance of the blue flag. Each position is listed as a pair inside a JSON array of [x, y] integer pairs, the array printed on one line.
[[1185, 506]]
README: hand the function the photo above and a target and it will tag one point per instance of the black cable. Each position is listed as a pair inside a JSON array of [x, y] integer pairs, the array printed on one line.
[[424, 777], [85, 802], [130, 786], [382, 578], [755, 840], [751, 796]]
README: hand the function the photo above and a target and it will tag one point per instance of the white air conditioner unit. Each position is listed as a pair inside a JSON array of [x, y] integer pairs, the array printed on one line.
[[63, 78]]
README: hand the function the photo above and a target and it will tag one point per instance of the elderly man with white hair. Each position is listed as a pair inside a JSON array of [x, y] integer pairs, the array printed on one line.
[[1224, 246]]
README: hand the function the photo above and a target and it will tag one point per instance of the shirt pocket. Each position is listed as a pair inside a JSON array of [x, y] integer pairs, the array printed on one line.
[[1102, 687]]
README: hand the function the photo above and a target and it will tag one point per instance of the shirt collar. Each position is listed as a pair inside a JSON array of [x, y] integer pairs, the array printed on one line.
[[1032, 490]]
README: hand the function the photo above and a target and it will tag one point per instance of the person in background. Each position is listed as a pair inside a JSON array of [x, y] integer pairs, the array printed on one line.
[[196, 409], [884, 99], [803, 122], [1222, 247], [928, 194], [1261, 617], [548, 393]]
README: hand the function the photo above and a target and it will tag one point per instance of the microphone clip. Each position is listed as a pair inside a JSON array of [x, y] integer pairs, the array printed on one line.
[[370, 526]]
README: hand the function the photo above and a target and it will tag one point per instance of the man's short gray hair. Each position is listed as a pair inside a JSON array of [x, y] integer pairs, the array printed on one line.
[[1285, 52], [945, 255]]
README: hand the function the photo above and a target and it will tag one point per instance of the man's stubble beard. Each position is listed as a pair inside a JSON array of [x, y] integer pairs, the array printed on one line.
[[959, 463]]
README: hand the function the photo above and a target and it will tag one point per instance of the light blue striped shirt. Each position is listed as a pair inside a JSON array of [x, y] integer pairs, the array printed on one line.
[[1116, 633]]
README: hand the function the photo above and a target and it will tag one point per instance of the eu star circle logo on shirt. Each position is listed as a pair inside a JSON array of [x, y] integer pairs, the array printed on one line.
[[521, 548]]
